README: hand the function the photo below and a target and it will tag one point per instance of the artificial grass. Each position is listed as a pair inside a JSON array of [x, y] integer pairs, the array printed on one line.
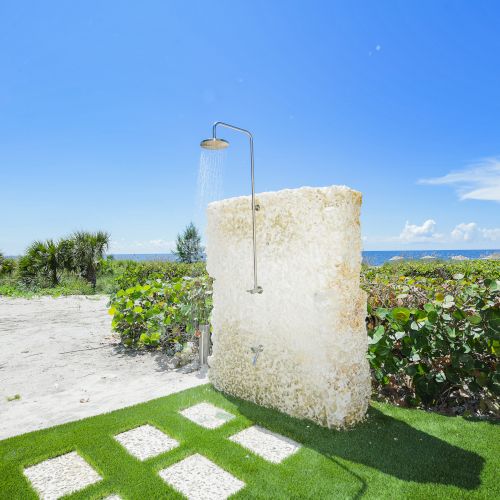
[[395, 453]]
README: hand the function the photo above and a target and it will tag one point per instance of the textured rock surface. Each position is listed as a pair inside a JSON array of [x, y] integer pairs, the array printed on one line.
[[310, 319], [200, 479], [146, 441], [61, 475], [269, 445], [207, 415]]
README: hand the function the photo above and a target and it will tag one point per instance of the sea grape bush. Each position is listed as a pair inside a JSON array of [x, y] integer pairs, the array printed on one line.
[[160, 312], [434, 341], [130, 273]]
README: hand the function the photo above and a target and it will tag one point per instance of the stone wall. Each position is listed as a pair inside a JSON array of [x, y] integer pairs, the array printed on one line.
[[310, 318]]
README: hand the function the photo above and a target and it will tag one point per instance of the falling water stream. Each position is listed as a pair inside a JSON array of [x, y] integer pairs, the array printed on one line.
[[209, 186]]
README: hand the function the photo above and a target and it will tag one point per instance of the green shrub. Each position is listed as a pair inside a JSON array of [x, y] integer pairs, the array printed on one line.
[[161, 312], [444, 270], [69, 284], [435, 336], [7, 266], [131, 273], [87, 251], [43, 263]]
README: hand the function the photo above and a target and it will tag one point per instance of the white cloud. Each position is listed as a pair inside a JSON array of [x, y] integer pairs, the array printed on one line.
[[470, 231], [479, 181], [491, 234], [412, 233], [464, 231], [463, 235]]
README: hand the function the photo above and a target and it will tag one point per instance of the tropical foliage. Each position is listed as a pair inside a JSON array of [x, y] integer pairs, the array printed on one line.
[[46, 263], [7, 265], [162, 313], [130, 273], [434, 335], [88, 251]]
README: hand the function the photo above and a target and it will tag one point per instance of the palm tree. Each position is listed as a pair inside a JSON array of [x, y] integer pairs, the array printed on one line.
[[42, 259], [88, 252]]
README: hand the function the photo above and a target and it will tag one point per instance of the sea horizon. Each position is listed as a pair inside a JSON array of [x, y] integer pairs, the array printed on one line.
[[372, 257]]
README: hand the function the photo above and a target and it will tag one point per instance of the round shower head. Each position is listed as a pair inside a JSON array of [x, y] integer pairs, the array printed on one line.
[[214, 143]]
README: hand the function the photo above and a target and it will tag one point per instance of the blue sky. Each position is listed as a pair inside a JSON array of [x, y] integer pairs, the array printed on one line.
[[103, 106]]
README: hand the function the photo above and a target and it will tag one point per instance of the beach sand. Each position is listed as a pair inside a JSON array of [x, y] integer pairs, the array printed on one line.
[[61, 357]]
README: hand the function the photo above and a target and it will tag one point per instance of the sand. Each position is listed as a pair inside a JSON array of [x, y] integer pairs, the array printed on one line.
[[61, 357]]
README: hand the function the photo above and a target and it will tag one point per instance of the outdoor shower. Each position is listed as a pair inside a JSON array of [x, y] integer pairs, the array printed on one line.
[[311, 242], [217, 144]]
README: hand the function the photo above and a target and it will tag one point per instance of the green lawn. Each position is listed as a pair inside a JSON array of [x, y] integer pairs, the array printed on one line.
[[396, 453]]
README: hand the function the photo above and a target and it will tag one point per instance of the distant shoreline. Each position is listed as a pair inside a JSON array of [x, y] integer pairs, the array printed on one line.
[[372, 257]]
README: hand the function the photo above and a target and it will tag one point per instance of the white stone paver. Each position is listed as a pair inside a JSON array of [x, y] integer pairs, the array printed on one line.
[[269, 445], [61, 475], [207, 415], [200, 479], [146, 441], [113, 497]]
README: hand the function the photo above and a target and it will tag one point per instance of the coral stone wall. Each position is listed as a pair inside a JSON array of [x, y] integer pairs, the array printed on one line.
[[310, 318]]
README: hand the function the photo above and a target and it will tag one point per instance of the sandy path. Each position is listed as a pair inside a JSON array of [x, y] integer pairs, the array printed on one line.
[[61, 357]]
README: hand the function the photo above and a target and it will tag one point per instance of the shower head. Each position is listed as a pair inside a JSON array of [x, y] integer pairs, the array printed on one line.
[[217, 144], [214, 143]]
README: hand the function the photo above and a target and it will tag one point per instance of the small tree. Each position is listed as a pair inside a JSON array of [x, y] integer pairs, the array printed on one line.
[[88, 251], [42, 260], [188, 245]]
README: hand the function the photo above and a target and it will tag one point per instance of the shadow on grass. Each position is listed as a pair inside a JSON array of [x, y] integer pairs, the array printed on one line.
[[383, 443]]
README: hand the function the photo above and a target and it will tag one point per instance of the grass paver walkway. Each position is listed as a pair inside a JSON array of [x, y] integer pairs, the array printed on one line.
[[396, 453]]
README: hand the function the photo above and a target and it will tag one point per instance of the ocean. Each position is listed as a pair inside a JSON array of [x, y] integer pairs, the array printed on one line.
[[372, 257]]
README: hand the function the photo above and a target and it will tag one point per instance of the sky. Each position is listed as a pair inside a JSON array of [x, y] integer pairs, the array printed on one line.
[[103, 106]]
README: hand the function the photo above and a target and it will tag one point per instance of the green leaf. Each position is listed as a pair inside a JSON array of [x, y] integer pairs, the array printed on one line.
[[429, 307], [475, 319], [492, 284], [381, 312], [401, 314], [378, 333], [432, 316], [458, 276]]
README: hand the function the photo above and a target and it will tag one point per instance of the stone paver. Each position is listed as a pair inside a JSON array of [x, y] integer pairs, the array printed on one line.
[[269, 445], [61, 475], [200, 479], [146, 441], [207, 415]]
